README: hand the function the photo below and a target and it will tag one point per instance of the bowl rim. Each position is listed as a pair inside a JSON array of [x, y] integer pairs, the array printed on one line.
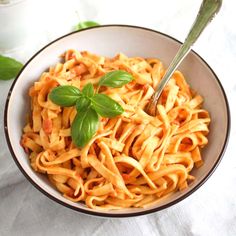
[[113, 214]]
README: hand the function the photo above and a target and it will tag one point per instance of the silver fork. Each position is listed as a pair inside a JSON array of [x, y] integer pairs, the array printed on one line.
[[207, 11]]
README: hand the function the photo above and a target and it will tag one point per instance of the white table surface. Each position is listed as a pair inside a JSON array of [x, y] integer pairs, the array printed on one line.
[[209, 211]]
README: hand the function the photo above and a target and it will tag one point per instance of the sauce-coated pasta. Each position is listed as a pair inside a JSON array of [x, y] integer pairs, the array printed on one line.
[[134, 159]]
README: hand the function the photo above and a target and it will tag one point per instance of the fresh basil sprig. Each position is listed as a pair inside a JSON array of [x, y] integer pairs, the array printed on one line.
[[115, 79], [105, 106], [84, 127], [82, 103], [9, 68], [88, 90], [90, 105], [86, 24], [65, 95]]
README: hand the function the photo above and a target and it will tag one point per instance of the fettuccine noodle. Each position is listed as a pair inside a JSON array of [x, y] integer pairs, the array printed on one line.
[[134, 159]]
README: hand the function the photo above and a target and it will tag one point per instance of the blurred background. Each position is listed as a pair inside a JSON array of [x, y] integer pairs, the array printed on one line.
[[28, 25]]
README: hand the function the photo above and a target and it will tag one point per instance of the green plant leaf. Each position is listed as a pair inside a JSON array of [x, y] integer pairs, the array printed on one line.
[[84, 127], [105, 106], [82, 103], [65, 95], [88, 90], [9, 68], [86, 24], [115, 79]]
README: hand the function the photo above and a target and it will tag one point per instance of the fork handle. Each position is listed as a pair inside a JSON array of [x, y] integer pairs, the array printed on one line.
[[207, 11]]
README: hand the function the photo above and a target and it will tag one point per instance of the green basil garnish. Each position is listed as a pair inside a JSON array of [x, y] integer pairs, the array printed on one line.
[[82, 103], [115, 79], [84, 127], [88, 90], [65, 95], [90, 105], [105, 106], [86, 24], [9, 68]]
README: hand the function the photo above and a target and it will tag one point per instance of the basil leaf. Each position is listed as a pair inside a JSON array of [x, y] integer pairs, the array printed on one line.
[[105, 106], [115, 79], [65, 95], [88, 90], [9, 68], [86, 24], [82, 103], [84, 127]]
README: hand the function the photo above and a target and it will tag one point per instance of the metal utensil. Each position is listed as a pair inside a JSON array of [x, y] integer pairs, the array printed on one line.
[[207, 11]]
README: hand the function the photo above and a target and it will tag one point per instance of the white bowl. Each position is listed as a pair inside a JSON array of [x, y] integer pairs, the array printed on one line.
[[108, 41]]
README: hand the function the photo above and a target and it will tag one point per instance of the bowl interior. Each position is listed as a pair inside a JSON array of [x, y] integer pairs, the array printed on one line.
[[109, 41]]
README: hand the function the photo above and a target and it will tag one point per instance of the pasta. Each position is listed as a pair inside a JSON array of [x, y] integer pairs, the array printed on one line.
[[134, 160]]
